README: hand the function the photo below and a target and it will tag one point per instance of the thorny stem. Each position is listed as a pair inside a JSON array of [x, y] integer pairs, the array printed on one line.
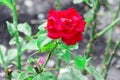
[[90, 44], [93, 32], [106, 66], [19, 45], [107, 58], [58, 7], [49, 55], [101, 33]]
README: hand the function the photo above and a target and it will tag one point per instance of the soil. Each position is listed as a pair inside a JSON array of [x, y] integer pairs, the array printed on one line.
[[34, 11]]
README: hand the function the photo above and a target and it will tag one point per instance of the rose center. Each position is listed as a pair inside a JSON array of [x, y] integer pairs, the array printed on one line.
[[66, 22]]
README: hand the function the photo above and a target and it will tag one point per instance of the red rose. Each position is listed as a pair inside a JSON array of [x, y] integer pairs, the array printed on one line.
[[66, 24]]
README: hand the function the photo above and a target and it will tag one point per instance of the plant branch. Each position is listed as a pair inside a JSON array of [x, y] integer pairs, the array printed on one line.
[[93, 32], [107, 58], [49, 55], [107, 28], [18, 44]]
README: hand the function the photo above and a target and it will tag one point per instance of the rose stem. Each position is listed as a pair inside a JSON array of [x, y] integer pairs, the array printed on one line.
[[107, 61], [93, 31], [58, 7], [91, 42], [112, 54], [50, 54], [19, 46]]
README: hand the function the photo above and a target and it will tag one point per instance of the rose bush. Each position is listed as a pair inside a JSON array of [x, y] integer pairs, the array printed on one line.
[[65, 24]]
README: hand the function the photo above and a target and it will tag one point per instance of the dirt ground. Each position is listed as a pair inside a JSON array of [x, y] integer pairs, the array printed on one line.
[[34, 11]]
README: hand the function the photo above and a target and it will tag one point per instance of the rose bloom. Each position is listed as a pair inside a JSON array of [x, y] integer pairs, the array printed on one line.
[[65, 24]]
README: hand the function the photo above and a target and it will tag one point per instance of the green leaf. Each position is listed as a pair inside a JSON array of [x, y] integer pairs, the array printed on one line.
[[73, 47], [8, 3], [77, 1], [66, 56], [1, 2], [47, 76], [3, 49], [11, 54], [93, 2], [74, 72], [45, 42], [22, 76], [14, 1], [37, 77], [47, 47], [11, 29], [40, 39], [31, 70], [25, 28], [63, 54], [80, 62], [31, 45], [3, 56], [94, 72], [13, 41], [88, 18], [86, 1], [30, 60], [29, 78], [15, 75], [42, 26], [71, 73]]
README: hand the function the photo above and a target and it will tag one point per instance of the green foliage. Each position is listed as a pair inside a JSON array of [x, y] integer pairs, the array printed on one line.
[[31, 45], [11, 54], [31, 70], [3, 56], [37, 77], [71, 73], [3, 50], [22, 76], [43, 42], [30, 60], [63, 54], [77, 1], [42, 26], [47, 47], [13, 41], [88, 18], [11, 29], [30, 74], [93, 71], [66, 56], [80, 62], [8, 3], [47, 76], [25, 28]]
